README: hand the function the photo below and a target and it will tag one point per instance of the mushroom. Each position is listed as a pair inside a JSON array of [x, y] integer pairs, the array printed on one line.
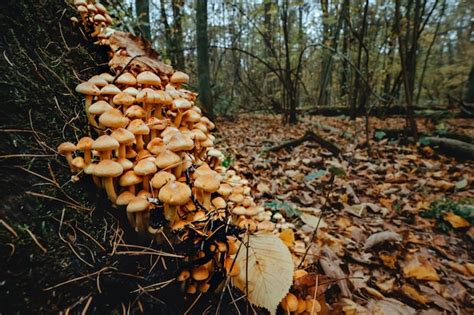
[[180, 143], [179, 78], [108, 169], [180, 105], [137, 206], [126, 78], [66, 149], [135, 111], [148, 78], [145, 168], [156, 146], [85, 145], [161, 178], [174, 194], [130, 179], [90, 90], [207, 184], [123, 99], [105, 145], [110, 90], [148, 97], [124, 198], [139, 129], [113, 118], [155, 125], [97, 109], [125, 138], [167, 159]]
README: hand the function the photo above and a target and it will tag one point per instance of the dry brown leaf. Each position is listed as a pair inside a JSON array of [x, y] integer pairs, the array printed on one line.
[[455, 220], [330, 265], [389, 260], [287, 236], [389, 306], [270, 267], [380, 237], [420, 268], [412, 293]]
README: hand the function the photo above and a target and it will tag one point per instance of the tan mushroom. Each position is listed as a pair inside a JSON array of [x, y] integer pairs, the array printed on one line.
[[66, 149], [107, 170]]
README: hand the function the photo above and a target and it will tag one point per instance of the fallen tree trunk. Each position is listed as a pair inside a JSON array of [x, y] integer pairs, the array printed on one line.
[[428, 112], [308, 136], [400, 133], [452, 147]]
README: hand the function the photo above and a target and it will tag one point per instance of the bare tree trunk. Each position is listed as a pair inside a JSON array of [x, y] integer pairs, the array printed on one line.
[[203, 70], [166, 29], [178, 52], [142, 7]]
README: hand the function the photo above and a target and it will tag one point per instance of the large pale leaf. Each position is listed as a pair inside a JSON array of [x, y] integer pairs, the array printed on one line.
[[270, 270]]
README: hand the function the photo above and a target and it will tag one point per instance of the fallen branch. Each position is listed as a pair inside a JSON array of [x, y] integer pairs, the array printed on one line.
[[308, 136], [452, 147]]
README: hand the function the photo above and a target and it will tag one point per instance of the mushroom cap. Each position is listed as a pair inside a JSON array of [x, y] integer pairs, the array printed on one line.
[[100, 7], [130, 178], [201, 170], [181, 104], [66, 147], [175, 193], [209, 124], [130, 153], [214, 153], [126, 163], [113, 118], [110, 89], [126, 79], [156, 124], [198, 135], [207, 143], [91, 8], [179, 78], [144, 154], [156, 146], [191, 116], [224, 190], [207, 182], [87, 88], [123, 98], [132, 91], [138, 204], [124, 198], [166, 99], [135, 111], [89, 169], [99, 18], [97, 80], [200, 273], [201, 127], [148, 95], [166, 159], [80, 2], [219, 203], [107, 77], [149, 78], [123, 136], [168, 133], [85, 143], [145, 167], [108, 168], [179, 142], [239, 211], [161, 178], [99, 107], [138, 127], [105, 143], [236, 197], [78, 162], [82, 9]]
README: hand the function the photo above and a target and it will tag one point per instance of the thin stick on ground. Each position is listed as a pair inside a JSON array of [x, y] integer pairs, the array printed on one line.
[[35, 240], [9, 228]]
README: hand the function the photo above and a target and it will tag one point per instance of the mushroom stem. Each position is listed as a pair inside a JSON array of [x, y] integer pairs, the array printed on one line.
[[179, 168], [105, 155], [87, 156], [206, 200], [157, 113], [131, 219], [110, 189], [140, 223], [146, 183], [131, 189], [122, 152], [140, 142], [69, 159], [153, 134], [90, 118], [147, 107], [170, 212], [178, 118]]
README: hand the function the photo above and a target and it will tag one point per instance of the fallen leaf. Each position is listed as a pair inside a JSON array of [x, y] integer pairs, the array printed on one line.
[[330, 265], [420, 268], [389, 260], [287, 236], [312, 220], [455, 220], [389, 306], [263, 188], [380, 237], [270, 270], [412, 293], [461, 184]]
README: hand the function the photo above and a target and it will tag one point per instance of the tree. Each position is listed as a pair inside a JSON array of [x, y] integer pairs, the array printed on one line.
[[202, 45], [178, 51], [142, 7]]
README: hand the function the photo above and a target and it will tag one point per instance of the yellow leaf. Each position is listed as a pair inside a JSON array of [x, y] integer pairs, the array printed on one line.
[[389, 261], [270, 270], [420, 268], [455, 220], [411, 292], [288, 237]]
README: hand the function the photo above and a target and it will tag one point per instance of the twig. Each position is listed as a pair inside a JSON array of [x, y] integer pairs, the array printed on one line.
[[86, 307], [77, 279], [36, 241], [308, 136], [9, 228]]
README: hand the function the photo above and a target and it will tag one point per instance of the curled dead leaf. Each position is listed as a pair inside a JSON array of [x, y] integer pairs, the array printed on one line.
[[380, 237]]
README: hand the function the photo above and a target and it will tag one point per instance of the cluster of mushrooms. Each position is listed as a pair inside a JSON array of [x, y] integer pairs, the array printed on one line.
[[93, 13], [154, 157]]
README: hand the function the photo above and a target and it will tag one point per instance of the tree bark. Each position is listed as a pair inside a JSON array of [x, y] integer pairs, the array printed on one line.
[[178, 52], [142, 7], [203, 70]]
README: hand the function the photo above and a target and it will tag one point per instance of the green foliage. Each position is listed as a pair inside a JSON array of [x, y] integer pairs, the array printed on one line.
[[439, 208], [286, 208]]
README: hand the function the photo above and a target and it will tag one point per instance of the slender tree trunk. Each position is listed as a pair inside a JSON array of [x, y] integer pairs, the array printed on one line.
[[345, 73], [166, 30], [202, 45], [178, 51], [142, 7]]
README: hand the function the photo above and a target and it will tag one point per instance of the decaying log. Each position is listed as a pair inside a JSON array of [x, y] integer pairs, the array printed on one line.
[[452, 147], [400, 133], [308, 136]]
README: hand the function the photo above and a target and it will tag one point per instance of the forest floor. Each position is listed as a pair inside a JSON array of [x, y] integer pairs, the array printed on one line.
[[397, 226]]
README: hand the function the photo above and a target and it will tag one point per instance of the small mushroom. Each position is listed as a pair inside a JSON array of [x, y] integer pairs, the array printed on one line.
[[66, 149], [107, 170]]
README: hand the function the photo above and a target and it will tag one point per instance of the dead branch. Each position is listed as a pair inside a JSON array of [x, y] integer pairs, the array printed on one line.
[[308, 136]]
